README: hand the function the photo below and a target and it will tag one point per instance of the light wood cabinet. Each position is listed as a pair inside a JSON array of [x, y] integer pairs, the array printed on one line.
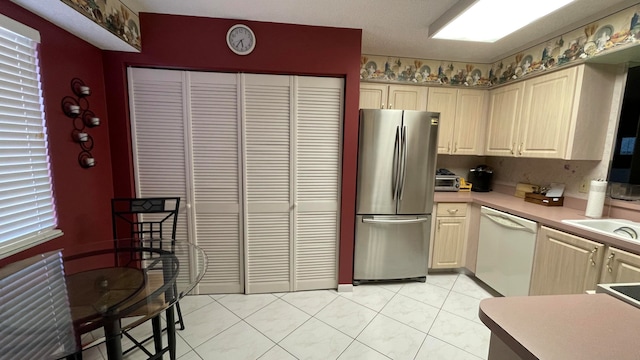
[[546, 114], [402, 97], [504, 116], [560, 115], [620, 266], [462, 119], [449, 235], [564, 263]]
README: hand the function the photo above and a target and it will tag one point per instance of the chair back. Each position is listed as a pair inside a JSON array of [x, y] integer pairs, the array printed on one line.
[[145, 218]]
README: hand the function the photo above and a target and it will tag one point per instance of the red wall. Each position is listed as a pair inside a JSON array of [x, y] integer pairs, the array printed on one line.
[[82, 195], [196, 43]]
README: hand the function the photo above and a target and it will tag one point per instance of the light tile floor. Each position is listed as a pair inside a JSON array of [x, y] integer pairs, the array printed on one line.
[[433, 320]]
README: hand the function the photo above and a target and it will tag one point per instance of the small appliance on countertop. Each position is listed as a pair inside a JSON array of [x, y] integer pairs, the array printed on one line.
[[446, 181], [480, 177]]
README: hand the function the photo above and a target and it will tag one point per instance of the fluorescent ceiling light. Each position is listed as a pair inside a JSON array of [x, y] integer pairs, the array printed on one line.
[[491, 20]]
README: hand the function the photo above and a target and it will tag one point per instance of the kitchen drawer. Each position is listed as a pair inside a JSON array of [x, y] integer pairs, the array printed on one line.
[[451, 209]]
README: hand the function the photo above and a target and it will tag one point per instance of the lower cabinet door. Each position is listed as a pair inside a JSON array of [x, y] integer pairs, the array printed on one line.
[[448, 243], [620, 267], [565, 264], [391, 247]]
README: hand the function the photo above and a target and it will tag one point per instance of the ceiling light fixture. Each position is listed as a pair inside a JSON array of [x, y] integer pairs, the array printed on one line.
[[489, 20]]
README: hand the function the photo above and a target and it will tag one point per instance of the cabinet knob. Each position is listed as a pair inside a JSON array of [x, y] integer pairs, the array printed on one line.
[[513, 147], [520, 148], [448, 146], [390, 106], [455, 147], [381, 106]]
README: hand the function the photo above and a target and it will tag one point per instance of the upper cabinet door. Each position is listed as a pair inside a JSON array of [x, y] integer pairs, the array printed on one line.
[[443, 100], [373, 96], [468, 133], [504, 116], [546, 114], [407, 97]]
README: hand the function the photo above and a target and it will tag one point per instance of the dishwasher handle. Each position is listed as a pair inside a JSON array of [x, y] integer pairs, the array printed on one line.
[[506, 222]]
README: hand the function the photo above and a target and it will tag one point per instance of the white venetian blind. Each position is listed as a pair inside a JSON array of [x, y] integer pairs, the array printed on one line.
[[317, 181], [35, 316], [216, 178], [267, 151], [27, 215]]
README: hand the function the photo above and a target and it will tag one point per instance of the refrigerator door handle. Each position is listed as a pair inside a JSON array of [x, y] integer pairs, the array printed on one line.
[[396, 163], [404, 159], [390, 221]]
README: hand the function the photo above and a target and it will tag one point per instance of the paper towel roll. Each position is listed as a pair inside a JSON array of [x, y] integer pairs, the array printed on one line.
[[595, 201]]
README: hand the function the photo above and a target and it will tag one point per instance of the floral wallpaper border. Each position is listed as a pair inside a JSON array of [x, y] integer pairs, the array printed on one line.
[[112, 15], [621, 29]]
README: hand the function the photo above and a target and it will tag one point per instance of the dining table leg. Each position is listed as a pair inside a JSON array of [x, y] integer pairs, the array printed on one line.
[[171, 332], [112, 333]]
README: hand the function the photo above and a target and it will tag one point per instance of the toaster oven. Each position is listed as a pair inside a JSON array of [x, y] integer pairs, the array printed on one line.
[[447, 183]]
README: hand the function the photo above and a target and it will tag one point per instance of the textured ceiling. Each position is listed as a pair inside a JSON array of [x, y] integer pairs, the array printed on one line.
[[397, 27], [389, 27]]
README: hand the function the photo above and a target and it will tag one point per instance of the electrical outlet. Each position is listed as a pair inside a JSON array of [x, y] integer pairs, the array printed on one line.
[[584, 186]]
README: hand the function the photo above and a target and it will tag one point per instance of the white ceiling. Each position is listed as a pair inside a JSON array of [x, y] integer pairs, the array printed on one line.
[[397, 27], [389, 27]]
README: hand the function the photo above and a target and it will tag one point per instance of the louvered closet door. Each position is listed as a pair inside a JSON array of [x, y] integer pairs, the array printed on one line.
[[266, 141], [158, 110], [214, 114], [318, 113]]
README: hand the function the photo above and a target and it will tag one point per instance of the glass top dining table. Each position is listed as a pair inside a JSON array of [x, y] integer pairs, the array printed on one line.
[[47, 302]]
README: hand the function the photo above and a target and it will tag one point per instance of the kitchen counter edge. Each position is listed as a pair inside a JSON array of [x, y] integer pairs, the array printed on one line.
[[550, 216]]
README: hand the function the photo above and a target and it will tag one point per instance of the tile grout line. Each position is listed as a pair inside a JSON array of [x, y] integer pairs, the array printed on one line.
[[440, 310]]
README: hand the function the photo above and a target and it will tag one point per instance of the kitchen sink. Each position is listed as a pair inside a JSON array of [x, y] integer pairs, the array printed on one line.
[[620, 228], [627, 292]]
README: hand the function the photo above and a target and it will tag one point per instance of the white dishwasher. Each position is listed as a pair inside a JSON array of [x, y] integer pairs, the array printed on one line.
[[505, 251]]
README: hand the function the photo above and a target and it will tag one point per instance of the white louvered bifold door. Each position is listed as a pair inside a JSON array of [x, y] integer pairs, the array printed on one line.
[[266, 142], [214, 110], [158, 109], [318, 113]]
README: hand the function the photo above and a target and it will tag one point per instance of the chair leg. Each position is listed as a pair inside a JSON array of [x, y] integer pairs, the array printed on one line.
[[180, 320], [157, 333], [171, 333]]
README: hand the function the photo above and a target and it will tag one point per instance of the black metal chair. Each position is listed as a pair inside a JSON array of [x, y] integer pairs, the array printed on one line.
[[147, 219]]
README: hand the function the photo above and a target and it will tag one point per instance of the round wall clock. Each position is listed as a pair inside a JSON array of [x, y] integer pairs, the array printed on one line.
[[241, 39]]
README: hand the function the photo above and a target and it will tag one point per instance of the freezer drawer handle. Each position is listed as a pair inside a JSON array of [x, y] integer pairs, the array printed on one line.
[[378, 221]]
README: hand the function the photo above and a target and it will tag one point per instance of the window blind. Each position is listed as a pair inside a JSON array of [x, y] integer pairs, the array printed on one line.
[[27, 215], [35, 317]]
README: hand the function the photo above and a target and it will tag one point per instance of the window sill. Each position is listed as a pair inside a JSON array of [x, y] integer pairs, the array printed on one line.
[[12, 247]]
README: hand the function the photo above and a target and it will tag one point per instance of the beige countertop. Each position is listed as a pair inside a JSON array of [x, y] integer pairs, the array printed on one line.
[[550, 216], [565, 326]]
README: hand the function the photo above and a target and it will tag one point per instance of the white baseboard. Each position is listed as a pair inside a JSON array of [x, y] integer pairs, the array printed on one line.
[[345, 287]]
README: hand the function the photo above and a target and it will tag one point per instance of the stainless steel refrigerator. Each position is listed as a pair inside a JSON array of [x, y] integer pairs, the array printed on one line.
[[396, 175]]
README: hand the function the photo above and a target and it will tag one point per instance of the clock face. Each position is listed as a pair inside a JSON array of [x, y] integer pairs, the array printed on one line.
[[241, 39]]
